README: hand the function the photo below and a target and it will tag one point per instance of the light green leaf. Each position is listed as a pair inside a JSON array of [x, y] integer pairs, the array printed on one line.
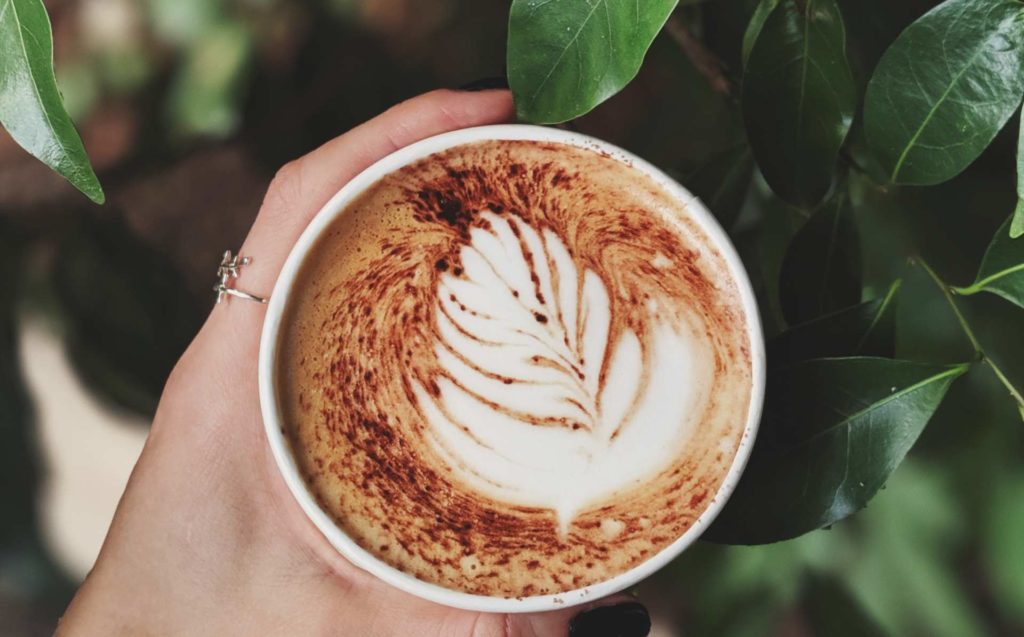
[[945, 87], [206, 91], [183, 22], [1003, 545], [799, 98], [1017, 225], [1002, 268], [30, 104], [907, 573], [833, 432], [565, 57]]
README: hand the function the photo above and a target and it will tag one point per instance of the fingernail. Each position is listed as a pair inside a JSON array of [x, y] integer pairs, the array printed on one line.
[[485, 84], [621, 620]]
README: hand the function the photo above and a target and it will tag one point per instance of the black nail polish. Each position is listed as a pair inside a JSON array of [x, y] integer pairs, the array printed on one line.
[[485, 84], [621, 620]]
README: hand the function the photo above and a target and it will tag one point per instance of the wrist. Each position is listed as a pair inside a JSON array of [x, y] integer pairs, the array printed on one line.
[[213, 570]]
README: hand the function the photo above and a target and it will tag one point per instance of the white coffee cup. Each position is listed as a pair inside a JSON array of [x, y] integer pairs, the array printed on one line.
[[272, 410]]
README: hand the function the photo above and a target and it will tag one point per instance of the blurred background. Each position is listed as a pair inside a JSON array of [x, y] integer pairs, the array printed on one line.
[[187, 107]]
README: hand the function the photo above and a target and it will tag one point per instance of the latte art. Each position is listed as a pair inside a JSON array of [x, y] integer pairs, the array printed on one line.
[[514, 368], [534, 405]]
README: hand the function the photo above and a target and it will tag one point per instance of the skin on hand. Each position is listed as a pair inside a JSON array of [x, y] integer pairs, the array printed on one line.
[[206, 538]]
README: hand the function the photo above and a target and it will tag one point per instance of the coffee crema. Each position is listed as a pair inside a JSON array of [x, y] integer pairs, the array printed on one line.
[[514, 368]]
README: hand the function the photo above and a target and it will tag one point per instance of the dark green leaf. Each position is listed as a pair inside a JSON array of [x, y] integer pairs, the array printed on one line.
[[1002, 268], [945, 87], [18, 469], [1017, 225], [799, 98], [567, 56], [761, 240], [761, 13], [872, 25], [28, 575], [862, 330], [128, 315], [30, 104], [831, 610], [723, 183], [834, 430], [724, 25], [821, 271]]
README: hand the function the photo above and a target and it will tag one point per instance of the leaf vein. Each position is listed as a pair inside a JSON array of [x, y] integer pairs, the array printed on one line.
[[561, 55]]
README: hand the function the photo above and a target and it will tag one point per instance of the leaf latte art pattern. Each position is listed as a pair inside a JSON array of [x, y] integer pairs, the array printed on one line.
[[533, 403]]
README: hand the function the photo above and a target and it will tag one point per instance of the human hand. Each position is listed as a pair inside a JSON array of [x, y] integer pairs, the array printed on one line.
[[206, 538]]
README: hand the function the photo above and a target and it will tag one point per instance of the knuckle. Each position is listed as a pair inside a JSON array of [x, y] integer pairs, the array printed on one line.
[[285, 185], [282, 194], [437, 103]]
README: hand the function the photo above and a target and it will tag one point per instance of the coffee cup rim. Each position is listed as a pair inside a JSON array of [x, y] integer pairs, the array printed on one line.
[[269, 346]]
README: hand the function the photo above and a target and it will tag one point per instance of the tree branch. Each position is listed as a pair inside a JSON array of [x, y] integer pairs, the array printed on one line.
[[707, 63], [969, 332]]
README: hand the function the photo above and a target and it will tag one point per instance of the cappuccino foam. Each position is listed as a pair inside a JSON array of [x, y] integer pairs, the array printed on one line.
[[514, 368]]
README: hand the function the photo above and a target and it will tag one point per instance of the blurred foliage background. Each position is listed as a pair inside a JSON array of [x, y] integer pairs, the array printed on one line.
[[187, 107]]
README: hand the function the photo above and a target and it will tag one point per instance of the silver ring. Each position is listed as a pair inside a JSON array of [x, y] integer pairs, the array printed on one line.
[[230, 264]]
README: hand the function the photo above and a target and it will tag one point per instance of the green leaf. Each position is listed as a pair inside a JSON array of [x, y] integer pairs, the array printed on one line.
[[831, 610], [872, 25], [1017, 225], [867, 329], [1002, 268], [821, 270], [567, 56], [944, 89], [762, 241], [761, 13], [723, 183], [30, 104], [799, 98], [834, 430]]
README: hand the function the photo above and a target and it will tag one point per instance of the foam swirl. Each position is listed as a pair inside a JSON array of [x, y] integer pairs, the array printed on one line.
[[536, 407]]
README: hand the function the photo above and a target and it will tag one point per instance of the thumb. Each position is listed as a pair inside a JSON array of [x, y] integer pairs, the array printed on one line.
[[616, 616]]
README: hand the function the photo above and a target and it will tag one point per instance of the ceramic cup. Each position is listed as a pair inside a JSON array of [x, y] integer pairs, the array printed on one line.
[[272, 412]]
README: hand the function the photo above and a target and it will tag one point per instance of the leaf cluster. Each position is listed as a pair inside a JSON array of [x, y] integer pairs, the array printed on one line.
[[833, 115], [839, 103]]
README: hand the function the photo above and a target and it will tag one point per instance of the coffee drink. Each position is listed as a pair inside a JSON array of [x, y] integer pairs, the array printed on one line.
[[514, 368]]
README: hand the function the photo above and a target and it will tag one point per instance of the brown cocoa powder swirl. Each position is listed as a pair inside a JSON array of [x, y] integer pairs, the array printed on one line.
[[361, 338]]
